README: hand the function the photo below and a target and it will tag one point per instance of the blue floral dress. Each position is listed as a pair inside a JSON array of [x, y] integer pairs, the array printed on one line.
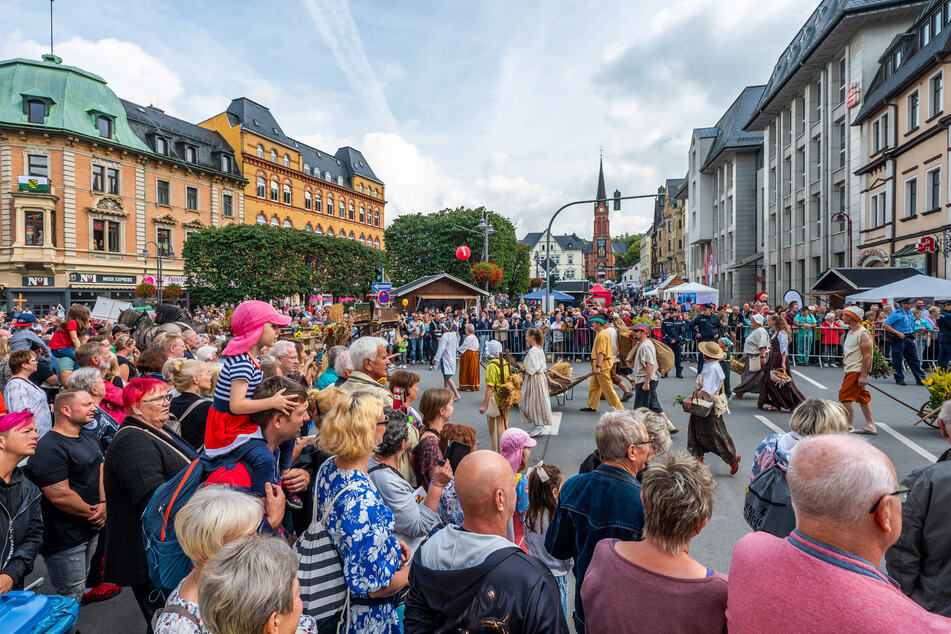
[[361, 529]]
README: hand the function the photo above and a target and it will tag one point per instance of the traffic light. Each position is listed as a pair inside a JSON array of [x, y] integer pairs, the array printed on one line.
[[378, 272], [617, 200]]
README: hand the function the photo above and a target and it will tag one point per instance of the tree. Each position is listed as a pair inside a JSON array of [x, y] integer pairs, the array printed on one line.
[[633, 254], [425, 244]]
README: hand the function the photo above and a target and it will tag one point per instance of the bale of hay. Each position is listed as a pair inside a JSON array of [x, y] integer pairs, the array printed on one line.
[[510, 392], [335, 312]]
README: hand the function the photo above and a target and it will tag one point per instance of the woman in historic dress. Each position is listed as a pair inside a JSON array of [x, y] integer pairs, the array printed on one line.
[[755, 349], [469, 361], [497, 372], [445, 359], [772, 396], [708, 433], [536, 404]]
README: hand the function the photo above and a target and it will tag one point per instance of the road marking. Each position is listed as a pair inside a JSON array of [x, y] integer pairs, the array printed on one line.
[[803, 376], [555, 424], [692, 369], [918, 449], [768, 423]]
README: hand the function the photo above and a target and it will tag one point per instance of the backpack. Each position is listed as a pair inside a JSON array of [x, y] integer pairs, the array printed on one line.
[[167, 563], [22, 612], [665, 356], [768, 505]]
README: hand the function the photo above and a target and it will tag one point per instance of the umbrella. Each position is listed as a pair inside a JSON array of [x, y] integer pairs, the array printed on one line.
[[346, 299], [556, 295]]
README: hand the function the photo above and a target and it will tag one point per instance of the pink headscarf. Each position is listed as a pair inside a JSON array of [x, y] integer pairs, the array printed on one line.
[[15, 420], [512, 441], [247, 323]]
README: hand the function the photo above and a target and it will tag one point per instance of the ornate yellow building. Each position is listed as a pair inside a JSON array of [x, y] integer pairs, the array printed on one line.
[[291, 184]]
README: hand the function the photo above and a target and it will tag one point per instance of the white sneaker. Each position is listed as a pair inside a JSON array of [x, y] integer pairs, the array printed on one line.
[[538, 430]]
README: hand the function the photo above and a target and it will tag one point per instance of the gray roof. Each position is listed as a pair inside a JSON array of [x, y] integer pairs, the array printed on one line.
[[427, 279], [855, 279], [915, 62], [148, 122], [673, 185], [617, 247], [704, 133], [565, 241], [820, 25], [575, 286], [730, 133], [343, 164]]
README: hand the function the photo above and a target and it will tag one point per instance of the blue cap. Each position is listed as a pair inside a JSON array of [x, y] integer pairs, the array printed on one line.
[[25, 319]]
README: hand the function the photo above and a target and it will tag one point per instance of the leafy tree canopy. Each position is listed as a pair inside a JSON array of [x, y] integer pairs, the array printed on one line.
[[633, 255]]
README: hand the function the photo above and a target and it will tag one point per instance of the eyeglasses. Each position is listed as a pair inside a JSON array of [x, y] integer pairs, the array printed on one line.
[[901, 493], [167, 397], [649, 441]]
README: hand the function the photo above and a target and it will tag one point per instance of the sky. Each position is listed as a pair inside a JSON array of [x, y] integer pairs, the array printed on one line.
[[453, 103]]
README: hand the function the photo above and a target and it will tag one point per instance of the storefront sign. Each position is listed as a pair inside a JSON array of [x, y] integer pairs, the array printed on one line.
[[101, 278], [873, 254], [927, 244], [853, 96], [181, 280], [29, 280]]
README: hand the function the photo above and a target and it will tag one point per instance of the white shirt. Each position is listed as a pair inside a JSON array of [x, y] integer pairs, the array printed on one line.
[[711, 377], [612, 332], [755, 340]]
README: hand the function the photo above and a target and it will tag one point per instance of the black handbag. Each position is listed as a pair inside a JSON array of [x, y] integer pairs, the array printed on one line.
[[768, 506]]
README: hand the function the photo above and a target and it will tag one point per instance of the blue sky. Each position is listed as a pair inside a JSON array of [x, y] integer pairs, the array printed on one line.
[[503, 104]]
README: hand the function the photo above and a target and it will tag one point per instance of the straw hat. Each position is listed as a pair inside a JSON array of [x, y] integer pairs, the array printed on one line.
[[711, 350]]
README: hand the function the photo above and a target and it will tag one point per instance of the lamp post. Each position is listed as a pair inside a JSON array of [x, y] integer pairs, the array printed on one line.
[[841, 216], [158, 262], [617, 206], [485, 228]]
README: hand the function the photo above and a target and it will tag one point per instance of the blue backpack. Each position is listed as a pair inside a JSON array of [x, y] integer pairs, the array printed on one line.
[[167, 563], [23, 612]]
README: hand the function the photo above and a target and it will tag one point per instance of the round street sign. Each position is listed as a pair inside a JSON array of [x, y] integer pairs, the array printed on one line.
[[383, 297]]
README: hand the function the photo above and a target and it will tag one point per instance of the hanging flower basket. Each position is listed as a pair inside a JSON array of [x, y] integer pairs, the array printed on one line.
[[145, 289], [172, 291], [486, 273]]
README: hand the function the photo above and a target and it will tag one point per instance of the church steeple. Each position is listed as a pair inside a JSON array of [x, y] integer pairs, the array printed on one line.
[[602, 195]]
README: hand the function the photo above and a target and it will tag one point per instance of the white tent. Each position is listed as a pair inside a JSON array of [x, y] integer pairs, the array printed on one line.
[[916, 286], [690, 287]]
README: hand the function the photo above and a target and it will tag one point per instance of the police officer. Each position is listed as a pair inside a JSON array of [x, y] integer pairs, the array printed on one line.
[[900, 324], [673, 330], [705, 327]]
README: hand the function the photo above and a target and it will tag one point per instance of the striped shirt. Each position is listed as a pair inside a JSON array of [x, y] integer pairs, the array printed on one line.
[[238, 367]]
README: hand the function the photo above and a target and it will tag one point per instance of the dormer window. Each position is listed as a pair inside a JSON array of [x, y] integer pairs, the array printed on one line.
[[327, 176], [190, 154], [104, 125], [225, 163], [36, 111], [161, 145], [340, 180]]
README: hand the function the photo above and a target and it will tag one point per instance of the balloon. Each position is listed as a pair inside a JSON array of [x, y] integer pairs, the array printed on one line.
[[405, 302], [463, 253]]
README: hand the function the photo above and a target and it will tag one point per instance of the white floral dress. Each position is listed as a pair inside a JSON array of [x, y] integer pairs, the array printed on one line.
[[361, 529]]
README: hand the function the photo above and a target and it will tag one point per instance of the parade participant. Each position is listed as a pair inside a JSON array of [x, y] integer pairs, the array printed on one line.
[[436, 407], [900, 326], [469, 361], [445, 358], [678, 494], [672, 330], [497, 372], [755, 349], [705, 327], [601, 362], [21, 394], [645, 368], [708, 433], [21, 522], [773, 396], [726, 345], [536, 401], [857, 362]]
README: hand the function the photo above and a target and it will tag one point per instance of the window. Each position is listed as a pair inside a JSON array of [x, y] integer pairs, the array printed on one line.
[[274, 191], [33, 228], [787, 227], [818, 97], [925, 34], [363, 239], [878, 209], [571, 258], [330, 232], [936, 23], [275, 222], [911, 198], [800, 223], [842, 140], [105, 236], [104, 125], [262, 187], [343, 209], [261, 219], [190, 154], [376, 243], [98, 178], [164, 240], [287, 194], [36, 111], [376, 219], [934, 189], [360, 188], [306, 168], [112, 180], [318, 204], [38, 165], [225, 163], [161, 146], [260, 151], [227, 205], [161, 192], [352, 237], [876, 134], [363, 215], [319, 230], [330, 205], [350, 211], [191, 198], [340, 180], [912, 111], [937, 94], [288, 224], [308, 200], [287, 160], [309, 228], [273, 155], [843, 90], [801, 115], [327, 176]]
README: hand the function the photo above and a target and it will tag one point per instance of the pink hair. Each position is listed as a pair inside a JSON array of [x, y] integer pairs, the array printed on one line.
[[15, 420], [136, 389]]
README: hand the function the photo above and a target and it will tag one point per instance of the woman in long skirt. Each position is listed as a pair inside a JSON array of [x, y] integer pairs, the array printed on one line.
[[755, 349], [536, 404], [497, 372], [469, 361], [772, 396], [708, 434], [445, 358]]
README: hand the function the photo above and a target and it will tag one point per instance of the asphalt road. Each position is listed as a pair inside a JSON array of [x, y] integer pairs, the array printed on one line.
[[572, 439]]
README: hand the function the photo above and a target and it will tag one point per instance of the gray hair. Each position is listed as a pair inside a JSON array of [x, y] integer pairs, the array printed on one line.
[[816, 416], [615, 432], [470, 328], [85, 379], [282, 348], [343, 363], [246, 582], [363, 349], [333, 354], [945, 414], [207, 353], [836, 478], [656, 426], [678, 495], [396, 432]]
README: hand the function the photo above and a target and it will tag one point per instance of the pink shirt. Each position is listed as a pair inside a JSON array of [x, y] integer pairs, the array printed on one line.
[[800, 585]]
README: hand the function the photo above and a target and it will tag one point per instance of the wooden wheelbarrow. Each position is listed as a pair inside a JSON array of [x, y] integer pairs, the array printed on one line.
[[928, 416]]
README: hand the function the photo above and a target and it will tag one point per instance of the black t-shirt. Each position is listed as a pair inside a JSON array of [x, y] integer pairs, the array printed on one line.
[[193, 425], [124, 361], [78, 461]]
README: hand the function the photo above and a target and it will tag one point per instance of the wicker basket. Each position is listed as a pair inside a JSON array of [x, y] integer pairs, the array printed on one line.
[[780, 378], [736, 365]]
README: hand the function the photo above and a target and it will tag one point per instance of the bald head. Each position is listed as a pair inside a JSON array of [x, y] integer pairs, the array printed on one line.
[[485, 485], [835, 478]]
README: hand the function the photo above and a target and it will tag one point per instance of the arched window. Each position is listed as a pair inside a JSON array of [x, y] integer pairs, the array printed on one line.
[[308, 200], [376, 218], [319, 231], [262, 219], [343, 209], [306, 168], [275, 190], [287, 160], [275, 222], [340, 180], [363, 239], [318, 204], [330, 232], [376, 243], [342, 234], [363, 214], [262, 187], [360, 188], [350, 211], [260, 151], [376, 193], [288, 224], [327, 176], [309, 228], [287, 194], [273, 155], [330, 205]]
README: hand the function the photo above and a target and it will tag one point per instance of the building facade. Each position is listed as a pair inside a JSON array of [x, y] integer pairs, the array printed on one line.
[[89, 183], [905, 144], [646, 263], [669, 227], [565, 252], [601, 251], [291, 184], [811, 151]]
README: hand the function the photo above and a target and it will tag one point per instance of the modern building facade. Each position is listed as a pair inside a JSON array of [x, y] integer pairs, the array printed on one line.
[[906, 138], [89, 182], [291, 184], [811, 150], [566, 255]]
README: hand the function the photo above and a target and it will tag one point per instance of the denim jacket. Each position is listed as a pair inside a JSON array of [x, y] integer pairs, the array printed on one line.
[[602, 504]]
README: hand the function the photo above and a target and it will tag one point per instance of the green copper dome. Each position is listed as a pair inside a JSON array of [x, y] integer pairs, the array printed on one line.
[[74, 98]]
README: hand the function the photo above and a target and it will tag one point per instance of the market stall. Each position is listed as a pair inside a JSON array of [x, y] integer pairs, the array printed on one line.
[[438, 291], [917, 286], [692, 292]]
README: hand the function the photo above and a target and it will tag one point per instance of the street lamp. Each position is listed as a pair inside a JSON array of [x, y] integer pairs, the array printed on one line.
[[486, 228], [159, 253], [841, 216]]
